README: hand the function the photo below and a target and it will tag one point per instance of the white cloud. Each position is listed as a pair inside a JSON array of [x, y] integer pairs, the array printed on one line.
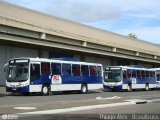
[[85, 11], [121, 16], [145, 15]]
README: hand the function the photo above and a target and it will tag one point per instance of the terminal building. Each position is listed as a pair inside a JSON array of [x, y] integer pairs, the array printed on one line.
[[28, 33]]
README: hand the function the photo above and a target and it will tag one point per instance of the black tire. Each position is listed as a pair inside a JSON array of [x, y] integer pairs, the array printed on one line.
[[84, 89], [45, 90], [129, 88], [147, 87]]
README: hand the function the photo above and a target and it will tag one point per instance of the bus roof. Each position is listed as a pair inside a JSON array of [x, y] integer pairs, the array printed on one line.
[[55, 60], [130, 67], [155, 68]]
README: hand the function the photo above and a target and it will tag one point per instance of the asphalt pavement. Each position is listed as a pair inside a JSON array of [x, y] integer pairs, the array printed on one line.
[[78, 106]]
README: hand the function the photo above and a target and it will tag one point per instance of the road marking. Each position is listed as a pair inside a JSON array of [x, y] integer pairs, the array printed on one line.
[[138, 101], [30, 104], [154, 100], [73, 109], [109, 98], [25, 108]]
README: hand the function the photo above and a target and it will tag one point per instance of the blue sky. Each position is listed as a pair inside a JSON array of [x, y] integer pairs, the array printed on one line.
[[141, 17]]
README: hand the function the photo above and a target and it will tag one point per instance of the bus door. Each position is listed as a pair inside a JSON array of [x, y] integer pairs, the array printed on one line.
[[158, 78], [35, 78], [35, 73]]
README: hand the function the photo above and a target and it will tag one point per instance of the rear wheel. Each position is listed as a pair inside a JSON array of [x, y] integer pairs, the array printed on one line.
[[147, 87], [84, 88]]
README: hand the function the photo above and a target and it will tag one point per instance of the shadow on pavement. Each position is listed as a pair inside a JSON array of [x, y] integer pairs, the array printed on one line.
[[64, 117], [3, 95]]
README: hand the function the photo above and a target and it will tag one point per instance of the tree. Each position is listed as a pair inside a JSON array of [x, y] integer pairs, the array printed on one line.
[[132, 35]]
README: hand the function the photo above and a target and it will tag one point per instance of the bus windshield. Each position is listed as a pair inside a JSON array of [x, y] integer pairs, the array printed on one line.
[[112, 76], [18, 72]]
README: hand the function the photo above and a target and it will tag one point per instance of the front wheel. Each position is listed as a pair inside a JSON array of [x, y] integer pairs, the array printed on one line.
[[129, 88], [45, 90]]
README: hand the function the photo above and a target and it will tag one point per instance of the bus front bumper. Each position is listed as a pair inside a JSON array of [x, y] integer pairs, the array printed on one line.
[[118, 87], [17, 89]]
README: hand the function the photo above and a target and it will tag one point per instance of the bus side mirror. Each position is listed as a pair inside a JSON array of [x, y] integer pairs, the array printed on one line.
[[5, 67]]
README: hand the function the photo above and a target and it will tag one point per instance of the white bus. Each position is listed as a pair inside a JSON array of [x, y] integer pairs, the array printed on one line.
[[157, 76], [27, 75], [129, 78]]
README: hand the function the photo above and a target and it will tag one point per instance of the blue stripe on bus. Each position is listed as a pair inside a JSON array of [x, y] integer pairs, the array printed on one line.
[[18, 89], [119, 87], [70, 80]]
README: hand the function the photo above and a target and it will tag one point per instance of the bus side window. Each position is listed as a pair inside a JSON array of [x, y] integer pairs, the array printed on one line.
[[56, 68], [45, 68], [66, 69], [99, 70], [84, 70], [35, 72], [138, 74], [152, 74], [76, 70], [124, 75], [134, 73], [143, 74], [158, 77], [129, 73], [93, 71], [147, 73]]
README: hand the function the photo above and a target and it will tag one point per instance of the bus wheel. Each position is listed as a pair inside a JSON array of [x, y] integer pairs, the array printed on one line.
[[129, 88], [147, 87], [84, 88], [45, 90]]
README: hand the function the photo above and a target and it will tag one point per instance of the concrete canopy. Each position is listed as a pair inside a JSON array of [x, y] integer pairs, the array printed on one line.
[[40, 22]]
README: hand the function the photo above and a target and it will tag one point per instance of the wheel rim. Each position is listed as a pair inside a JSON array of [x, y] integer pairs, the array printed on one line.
[[147, 87], [129, 88], [45, 90], [84, 89]]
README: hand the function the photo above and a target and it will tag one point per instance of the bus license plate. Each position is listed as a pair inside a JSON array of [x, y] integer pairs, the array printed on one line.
[[14, 89]]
